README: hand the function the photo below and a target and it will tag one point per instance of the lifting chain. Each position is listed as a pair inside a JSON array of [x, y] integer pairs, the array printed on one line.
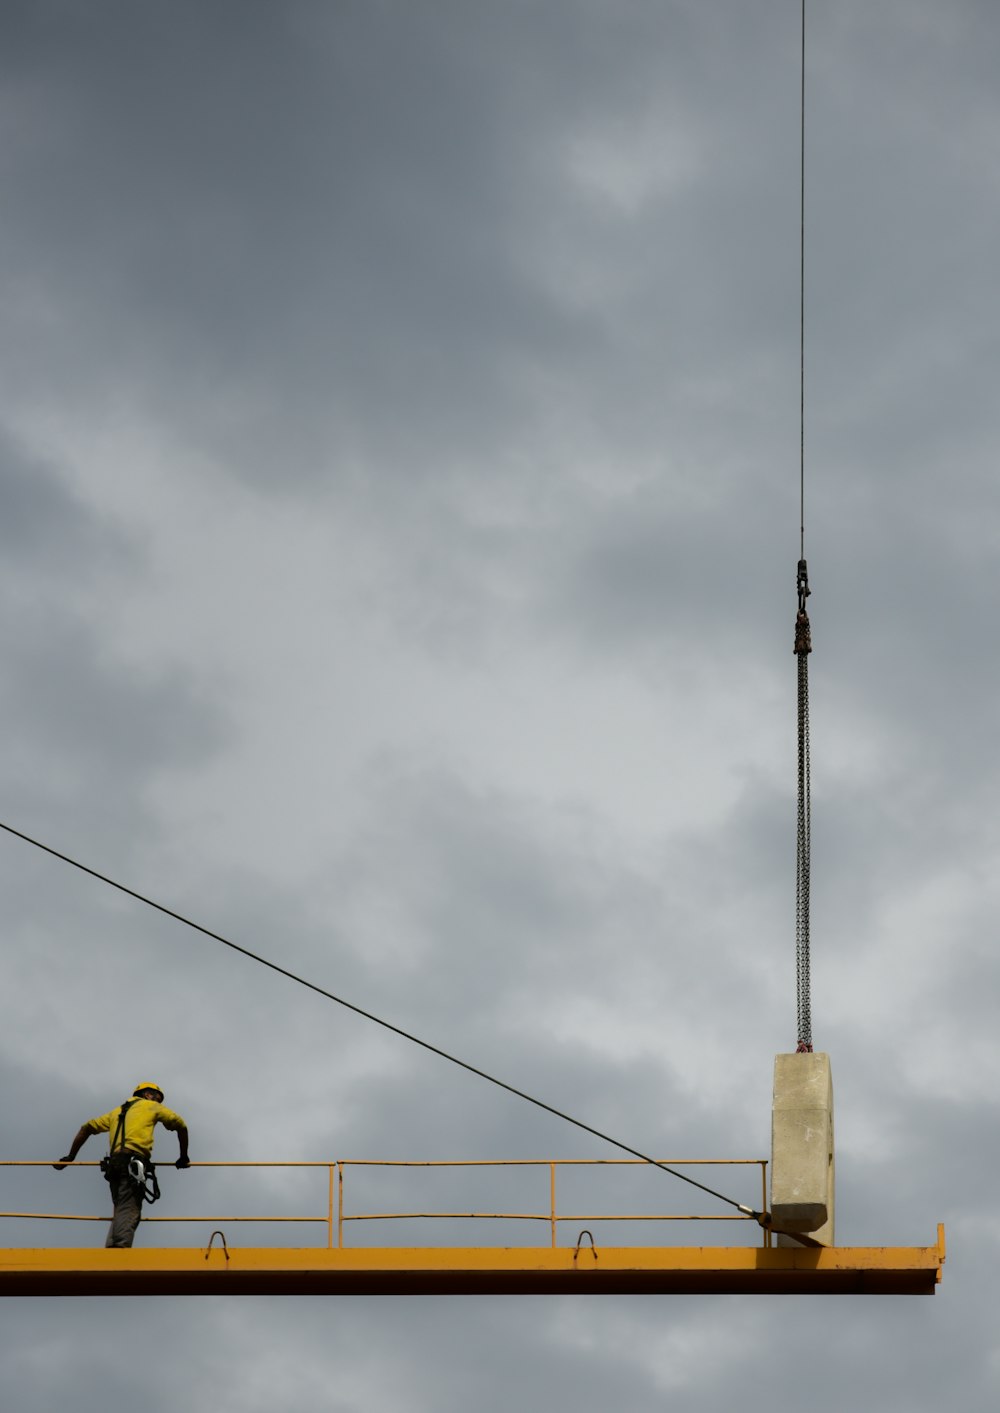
[[803, 647]]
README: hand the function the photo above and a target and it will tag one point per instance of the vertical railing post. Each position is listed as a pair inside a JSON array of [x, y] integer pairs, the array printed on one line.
[[329, 1209], [552, 1200], [763, 1202], [340, 1206]]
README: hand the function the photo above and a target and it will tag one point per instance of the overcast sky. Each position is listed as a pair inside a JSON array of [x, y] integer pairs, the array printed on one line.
[[399, 514]]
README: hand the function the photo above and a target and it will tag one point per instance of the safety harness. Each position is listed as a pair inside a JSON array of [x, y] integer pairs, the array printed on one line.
[[122, 1162]]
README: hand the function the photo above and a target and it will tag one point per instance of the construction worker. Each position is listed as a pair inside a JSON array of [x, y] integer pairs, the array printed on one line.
[[128, 1166]]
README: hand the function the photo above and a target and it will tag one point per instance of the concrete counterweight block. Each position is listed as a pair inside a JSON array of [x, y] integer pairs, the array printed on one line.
[[802, 1146]]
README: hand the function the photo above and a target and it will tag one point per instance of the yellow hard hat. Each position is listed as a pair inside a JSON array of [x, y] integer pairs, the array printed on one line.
[[148, 1085]]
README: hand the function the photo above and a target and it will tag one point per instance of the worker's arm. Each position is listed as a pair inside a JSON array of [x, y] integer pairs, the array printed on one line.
[[77, 1144], [170, 1120]]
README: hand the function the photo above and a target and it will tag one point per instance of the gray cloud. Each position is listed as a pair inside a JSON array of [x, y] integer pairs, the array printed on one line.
[[398, 523]]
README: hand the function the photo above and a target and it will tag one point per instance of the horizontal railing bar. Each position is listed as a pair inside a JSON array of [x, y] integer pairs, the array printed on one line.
[[450, 1216], [544, 1217], [162, 1163], [657, 1217], [323, 1219], [407, 1163], [73, 1217], [545, 1162]]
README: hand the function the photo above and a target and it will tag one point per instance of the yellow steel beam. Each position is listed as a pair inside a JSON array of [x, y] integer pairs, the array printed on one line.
[[617, 1270]]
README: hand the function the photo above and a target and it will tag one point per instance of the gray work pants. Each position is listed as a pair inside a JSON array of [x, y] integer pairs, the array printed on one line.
[[127, 1199]]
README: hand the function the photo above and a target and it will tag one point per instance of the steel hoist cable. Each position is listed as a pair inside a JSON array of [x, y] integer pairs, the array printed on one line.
[[803, 636]]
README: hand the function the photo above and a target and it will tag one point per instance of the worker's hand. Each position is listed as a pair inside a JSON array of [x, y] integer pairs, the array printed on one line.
[[62, 1163], [183, 1162]]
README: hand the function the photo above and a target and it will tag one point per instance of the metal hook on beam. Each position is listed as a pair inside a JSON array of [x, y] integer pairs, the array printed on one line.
[[579, 1243], [222, 1237]]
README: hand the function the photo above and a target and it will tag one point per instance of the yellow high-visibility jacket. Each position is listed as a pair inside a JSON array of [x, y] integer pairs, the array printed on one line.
[[140, 1121]]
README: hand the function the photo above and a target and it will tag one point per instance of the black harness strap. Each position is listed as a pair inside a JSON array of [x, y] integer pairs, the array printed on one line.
[[119, 1138], [116, 1152]]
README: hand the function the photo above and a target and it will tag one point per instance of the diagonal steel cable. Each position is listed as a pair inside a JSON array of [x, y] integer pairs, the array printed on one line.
[[760, 1217]]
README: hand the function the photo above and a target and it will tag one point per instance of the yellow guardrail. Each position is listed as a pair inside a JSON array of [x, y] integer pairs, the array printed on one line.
[[336, 1217]]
